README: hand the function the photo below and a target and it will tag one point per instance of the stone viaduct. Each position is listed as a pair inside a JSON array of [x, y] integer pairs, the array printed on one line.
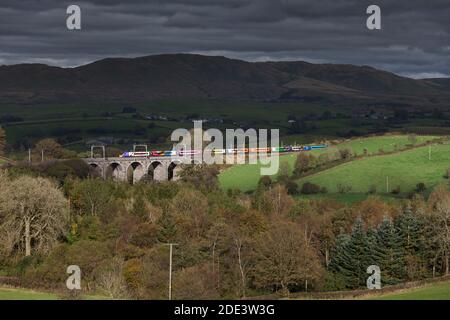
[[134, 169]]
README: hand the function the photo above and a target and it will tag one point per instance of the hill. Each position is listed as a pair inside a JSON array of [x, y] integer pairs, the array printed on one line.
[[189, 76]]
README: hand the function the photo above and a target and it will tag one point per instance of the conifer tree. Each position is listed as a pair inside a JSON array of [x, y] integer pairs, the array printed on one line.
[[410, 227], [371, 246], [168, 229], [389, 254], [351, 256]]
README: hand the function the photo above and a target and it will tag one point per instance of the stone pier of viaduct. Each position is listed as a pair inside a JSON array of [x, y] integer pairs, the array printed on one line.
[[135, 169]]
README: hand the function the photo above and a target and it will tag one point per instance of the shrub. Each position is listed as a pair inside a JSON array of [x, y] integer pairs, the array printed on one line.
[[372, 189], [420, 187], [447, 174], [265, 182], [345, 153], [396, 190], [343, 188], [310, 188], [291, 187], [60, 171]]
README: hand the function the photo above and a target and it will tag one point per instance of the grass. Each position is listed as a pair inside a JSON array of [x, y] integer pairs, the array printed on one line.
[[439, 291], [246, 177], [405, 170], [387, 143], [26, 294], [23, 294]]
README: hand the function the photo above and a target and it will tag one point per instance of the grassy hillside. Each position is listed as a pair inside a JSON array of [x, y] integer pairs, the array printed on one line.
[[374, 145], [246, 177], [439, 291], [405, 169]]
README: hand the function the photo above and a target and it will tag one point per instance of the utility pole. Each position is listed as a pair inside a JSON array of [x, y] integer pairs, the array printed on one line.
[[29, 156], [170, 268], [429, 152], [42, 155]]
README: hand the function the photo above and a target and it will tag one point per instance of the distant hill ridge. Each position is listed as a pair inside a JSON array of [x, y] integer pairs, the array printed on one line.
[[189, 76]]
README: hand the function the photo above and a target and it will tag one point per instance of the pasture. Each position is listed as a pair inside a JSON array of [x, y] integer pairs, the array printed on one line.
[[385, 172], [246, 177]]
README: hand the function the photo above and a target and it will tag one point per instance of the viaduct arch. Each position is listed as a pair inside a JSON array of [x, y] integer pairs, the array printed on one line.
[[134, 170]]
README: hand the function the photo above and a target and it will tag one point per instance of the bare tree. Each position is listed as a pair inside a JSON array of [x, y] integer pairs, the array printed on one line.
[[33, 214], [112, 281], [439, 202], [283, 259]]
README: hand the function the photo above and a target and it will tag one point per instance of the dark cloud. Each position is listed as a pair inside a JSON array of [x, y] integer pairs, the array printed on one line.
[[414, 40]]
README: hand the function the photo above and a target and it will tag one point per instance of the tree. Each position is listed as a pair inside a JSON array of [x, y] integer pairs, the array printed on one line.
[[92, 196], [273, 201], [168, 229], [345, 153], [112, 281], [50, 148], [283, 172], [439, 203], [302, 163], [284, 260], [264, 183], [388, 253], [351, 256], [189, 208], [196, 282], [202, 177], [412, 138], [409, 226], [33, 214], [412, 230], [2, 141]]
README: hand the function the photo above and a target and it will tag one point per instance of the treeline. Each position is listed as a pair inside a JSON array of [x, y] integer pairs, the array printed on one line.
[[229, 244]]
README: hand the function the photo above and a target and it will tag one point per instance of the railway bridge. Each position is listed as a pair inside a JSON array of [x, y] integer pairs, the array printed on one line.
[[136, 168]]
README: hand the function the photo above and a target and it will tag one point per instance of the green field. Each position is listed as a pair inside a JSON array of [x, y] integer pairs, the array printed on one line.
[[440, 291], [405, 169], [22, 294], [26, 294], [246, 177], [374, 145]]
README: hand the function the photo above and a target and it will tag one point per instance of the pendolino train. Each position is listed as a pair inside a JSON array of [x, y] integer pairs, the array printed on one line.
[[183, 153]]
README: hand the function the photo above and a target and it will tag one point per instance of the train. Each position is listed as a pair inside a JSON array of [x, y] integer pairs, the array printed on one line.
[[184, 153]]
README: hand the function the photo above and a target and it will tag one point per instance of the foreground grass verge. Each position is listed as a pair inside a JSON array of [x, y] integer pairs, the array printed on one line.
[[27, 294], [24, 294], [438, 291]]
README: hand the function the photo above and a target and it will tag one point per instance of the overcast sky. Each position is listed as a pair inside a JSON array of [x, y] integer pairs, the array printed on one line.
[[414, 40]]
